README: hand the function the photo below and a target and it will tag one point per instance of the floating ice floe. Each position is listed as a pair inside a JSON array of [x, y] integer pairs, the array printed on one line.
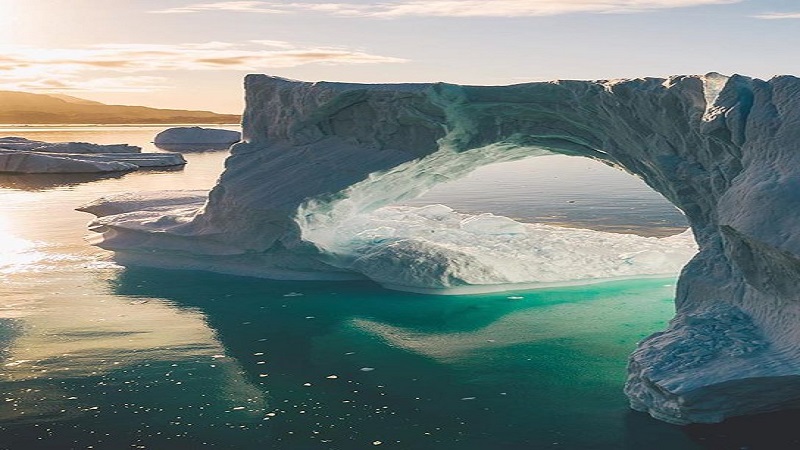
[[20, 155], [195, 138]]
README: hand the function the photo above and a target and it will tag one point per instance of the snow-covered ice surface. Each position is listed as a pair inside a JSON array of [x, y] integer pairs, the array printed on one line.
[[195, 138], [302, 194], [20, 155], [434, 249], [19, 143]]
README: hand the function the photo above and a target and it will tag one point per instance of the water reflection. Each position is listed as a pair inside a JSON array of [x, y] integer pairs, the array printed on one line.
[[95, 367], [348, 363], [44, 182], [179, 168], [561, 190], [775, 431], [169, 359], [187, 148], [17, 254]]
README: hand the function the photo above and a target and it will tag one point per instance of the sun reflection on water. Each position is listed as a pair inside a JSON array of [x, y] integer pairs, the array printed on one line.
[[16, 254]]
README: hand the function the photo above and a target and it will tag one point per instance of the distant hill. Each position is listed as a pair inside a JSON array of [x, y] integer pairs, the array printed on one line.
[[71, 99], [26, 108]]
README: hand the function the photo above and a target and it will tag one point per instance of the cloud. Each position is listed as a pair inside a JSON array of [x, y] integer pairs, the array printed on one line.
[[214, 56], [450, 8], [275, 44], [132, 84], [115, 67], [768, 16], [247, 6]]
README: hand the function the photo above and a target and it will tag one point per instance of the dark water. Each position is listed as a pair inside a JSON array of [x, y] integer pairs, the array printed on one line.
[[93, 355]]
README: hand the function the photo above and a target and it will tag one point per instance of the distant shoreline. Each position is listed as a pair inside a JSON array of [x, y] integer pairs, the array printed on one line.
[[27, 109]]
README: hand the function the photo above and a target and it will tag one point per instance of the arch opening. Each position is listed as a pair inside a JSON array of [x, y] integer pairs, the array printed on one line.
[[564, 191], [437, 250]]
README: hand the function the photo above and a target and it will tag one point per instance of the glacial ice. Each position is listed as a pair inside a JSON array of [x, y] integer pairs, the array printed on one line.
[[301, 198], [195, 138], [19, 143], [456, 253], [21, 155]]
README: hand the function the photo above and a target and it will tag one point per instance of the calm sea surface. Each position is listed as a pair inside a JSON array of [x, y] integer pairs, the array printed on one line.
[[93, 355]]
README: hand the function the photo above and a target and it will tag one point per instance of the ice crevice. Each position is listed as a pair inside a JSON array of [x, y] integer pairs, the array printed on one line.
[[307, 192]]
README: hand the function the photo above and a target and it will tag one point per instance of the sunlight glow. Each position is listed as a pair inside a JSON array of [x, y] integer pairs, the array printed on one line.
[[16, 254], [8, 17]]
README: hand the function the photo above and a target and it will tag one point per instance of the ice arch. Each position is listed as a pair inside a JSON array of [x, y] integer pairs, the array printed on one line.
[[722, 149]]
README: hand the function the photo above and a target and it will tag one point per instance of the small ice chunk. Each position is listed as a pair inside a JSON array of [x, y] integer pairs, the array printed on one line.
[[435, 212], [491, 224]]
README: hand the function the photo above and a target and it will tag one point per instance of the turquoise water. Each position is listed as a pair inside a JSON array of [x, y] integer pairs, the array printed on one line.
[[181, 359], [93, 355]]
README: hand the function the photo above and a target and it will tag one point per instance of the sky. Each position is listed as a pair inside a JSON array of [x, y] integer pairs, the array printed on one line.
[[193, 54]]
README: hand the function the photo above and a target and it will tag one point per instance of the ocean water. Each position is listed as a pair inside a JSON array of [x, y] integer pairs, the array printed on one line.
[[93, 355], [562, 190]]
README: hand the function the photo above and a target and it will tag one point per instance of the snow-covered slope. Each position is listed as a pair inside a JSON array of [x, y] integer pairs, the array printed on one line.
[[301, 198]]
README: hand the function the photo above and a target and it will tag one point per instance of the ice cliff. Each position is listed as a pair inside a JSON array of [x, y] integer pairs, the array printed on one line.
[[301, 197]]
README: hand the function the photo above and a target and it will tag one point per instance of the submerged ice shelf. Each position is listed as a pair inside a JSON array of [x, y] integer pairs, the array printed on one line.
[[302, 192]]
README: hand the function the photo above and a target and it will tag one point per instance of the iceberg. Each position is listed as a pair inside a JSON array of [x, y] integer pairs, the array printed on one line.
[[195, 138], [19, 143], [434, 249], [25, 156], [307, 194]]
